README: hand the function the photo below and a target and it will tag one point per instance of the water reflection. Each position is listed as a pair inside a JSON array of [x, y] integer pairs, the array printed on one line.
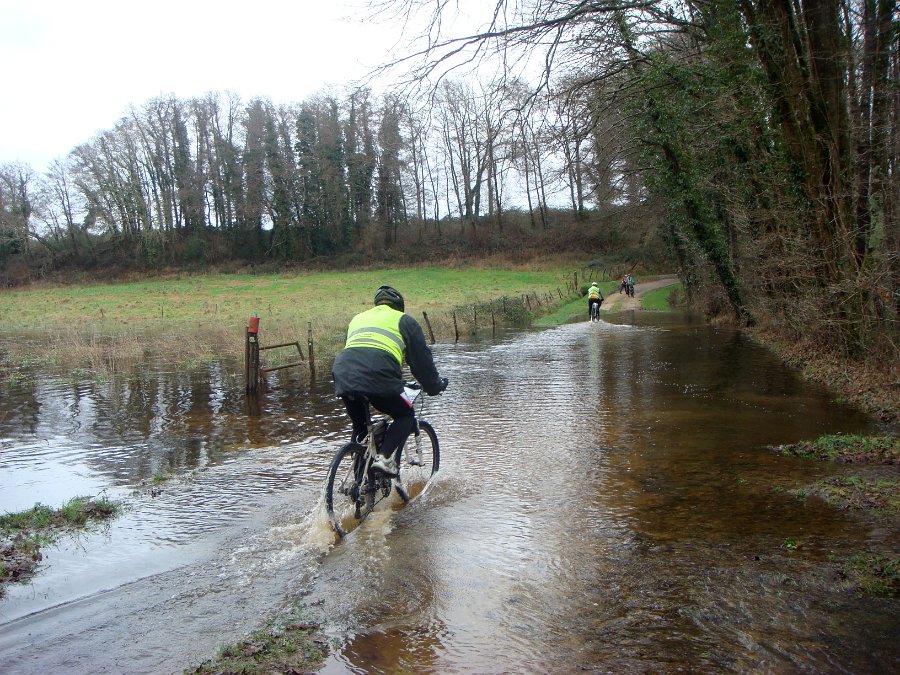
[[605, 501], [124, 431]]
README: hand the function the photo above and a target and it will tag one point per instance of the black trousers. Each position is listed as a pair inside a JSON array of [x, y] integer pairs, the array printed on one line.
[[397, 406]]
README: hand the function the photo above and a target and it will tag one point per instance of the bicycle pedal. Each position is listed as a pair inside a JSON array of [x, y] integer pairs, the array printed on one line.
[[416, 462], [401, 490]]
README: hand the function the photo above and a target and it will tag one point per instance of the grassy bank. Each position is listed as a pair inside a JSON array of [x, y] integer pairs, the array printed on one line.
[[868, 488], [289, 644], [23, 534], [101, 328], [872, 385], [662, 299]]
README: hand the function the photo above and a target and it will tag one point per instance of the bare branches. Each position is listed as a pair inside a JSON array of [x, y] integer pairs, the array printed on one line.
[[562, 31]]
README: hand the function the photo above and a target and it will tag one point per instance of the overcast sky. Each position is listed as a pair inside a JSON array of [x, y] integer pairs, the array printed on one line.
[[71, 68]]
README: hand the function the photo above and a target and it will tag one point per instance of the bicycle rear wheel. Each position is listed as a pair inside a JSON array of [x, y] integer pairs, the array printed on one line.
[[347, 500], [419, 459]]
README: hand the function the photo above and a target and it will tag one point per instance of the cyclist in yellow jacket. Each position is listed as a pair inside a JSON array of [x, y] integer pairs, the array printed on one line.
[[595, 297], [370, 367]]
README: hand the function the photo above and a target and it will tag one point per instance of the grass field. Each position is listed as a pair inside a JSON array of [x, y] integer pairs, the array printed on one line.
[[657, 300], [102, 327]]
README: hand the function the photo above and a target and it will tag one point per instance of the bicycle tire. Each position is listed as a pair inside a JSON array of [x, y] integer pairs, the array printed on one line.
[[414, 478], [347, 501]]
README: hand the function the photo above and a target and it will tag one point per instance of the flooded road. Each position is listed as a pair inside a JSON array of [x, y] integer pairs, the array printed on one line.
[[605, 501]]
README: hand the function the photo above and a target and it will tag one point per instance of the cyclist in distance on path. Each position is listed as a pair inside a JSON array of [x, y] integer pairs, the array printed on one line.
[[371, 367], [594, 297]]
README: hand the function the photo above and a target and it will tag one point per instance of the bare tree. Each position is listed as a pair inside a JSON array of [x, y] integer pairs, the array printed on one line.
[[17, 184]]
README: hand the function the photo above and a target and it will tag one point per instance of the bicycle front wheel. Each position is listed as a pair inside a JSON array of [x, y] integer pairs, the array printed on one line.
[[346, 499], [419, 460]]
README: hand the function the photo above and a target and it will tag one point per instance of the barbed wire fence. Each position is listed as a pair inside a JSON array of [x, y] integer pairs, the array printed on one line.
[[461, 321]]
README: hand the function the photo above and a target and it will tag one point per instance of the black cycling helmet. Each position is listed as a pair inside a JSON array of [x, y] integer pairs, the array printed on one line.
[[385, 295]]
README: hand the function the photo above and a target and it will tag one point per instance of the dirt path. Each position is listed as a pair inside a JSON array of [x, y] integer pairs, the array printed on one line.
[[616, 301]]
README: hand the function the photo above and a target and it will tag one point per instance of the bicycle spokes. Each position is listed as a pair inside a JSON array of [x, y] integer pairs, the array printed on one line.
[[415, 457], [353, 489]]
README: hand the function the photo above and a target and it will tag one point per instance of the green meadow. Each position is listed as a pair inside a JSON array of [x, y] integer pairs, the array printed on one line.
[[657, 300], [104, 326]]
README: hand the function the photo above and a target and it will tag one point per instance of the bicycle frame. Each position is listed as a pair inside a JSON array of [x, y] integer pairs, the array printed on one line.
[[375, 428], [353, 488], [370, 483]]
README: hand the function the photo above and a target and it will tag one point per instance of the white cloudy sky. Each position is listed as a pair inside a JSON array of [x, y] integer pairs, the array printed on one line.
[[72, 67]]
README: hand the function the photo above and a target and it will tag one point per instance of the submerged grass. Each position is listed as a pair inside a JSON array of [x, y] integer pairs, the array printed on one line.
[[290, 644], [873, 495], [876, 575], [860, 493], [23, 534], [847, 448]]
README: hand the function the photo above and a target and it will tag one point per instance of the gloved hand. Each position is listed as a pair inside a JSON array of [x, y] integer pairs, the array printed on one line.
[[444, 383]]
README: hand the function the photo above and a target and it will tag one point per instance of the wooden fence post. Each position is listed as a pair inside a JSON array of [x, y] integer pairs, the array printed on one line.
[[251, 355], [455, 328], [428, 325], [309, 347]]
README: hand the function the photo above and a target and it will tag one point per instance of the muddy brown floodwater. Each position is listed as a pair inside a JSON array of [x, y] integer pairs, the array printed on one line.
[[605, 501]]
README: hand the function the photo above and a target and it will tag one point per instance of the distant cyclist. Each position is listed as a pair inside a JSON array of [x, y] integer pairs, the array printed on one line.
[[629, 286], [624, 286], [370, 367], [595, 297]]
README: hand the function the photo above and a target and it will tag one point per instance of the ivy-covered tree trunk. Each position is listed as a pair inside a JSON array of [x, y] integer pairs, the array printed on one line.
[[803, 52]]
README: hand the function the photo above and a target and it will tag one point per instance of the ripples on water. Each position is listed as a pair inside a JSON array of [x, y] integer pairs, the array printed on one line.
[[220, 459], [604, 498]]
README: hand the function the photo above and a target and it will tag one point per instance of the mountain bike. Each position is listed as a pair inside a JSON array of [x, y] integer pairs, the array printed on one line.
[[353, 489], [595, 311]]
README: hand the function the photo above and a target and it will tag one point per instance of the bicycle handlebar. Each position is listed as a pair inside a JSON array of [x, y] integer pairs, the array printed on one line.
[[415, 386]]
